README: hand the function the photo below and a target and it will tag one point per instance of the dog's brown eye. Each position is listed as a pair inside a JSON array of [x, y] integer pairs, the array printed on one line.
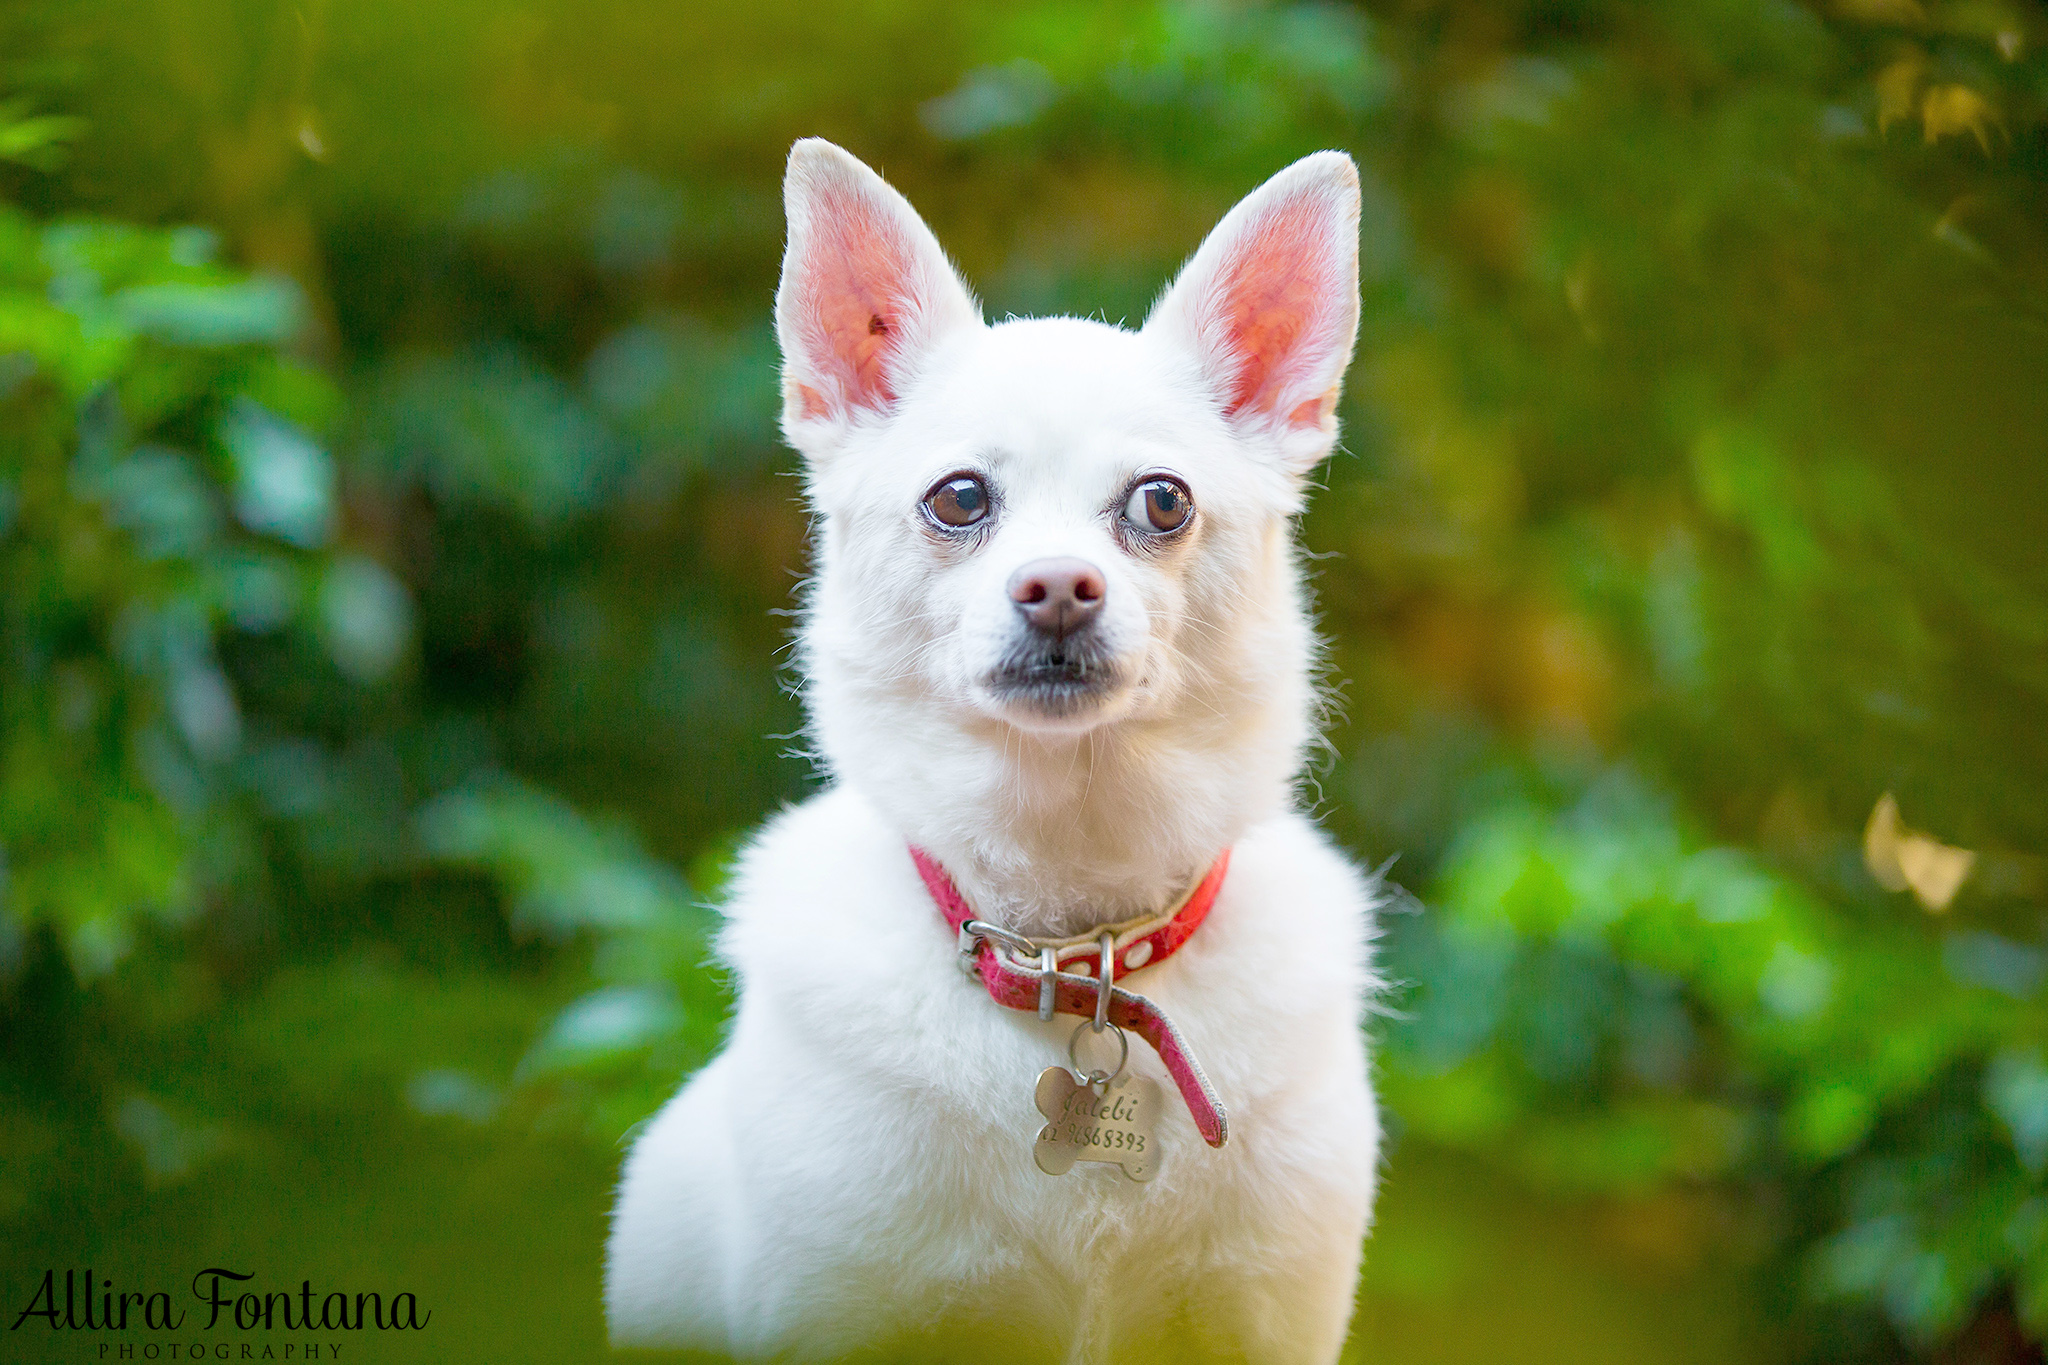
[[960, 501], [1158, 506]]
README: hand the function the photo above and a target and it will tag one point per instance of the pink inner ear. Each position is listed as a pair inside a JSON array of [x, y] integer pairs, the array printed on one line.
[[1276, 289], [855, 284]]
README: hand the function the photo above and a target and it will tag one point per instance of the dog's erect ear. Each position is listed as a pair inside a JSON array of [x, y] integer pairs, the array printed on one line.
[[1269, 306], [866, 292]]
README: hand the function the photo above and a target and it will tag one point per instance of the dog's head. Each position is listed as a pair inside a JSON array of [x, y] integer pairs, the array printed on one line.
[[1052, 525]]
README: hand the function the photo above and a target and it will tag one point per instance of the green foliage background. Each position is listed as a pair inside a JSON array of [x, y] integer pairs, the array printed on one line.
[[390, 571]]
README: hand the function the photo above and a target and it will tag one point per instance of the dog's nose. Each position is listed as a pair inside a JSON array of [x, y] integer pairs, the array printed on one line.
[[1058, 596]]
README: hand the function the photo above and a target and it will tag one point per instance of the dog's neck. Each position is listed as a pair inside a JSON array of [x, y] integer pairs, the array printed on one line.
[[1053, 835]]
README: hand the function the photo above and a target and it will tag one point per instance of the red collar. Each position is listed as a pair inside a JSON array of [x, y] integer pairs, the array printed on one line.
[[1018, 975]]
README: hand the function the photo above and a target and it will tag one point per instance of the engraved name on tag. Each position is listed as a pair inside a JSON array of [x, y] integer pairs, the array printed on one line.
[[1115, 1126]]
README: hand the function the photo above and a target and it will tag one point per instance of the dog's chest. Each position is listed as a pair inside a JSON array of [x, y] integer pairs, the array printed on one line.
[[921, 1096]]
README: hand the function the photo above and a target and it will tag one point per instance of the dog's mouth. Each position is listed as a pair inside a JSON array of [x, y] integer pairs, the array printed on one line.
[[1057, 681]]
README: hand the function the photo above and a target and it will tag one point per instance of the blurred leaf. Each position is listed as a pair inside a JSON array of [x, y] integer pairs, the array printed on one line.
[[1947, 109], [564, 872], [453, 1093], [173, 1147], [604, 1028], [284, 483], [365, 617], [990, 98], [492, 427], [263, 310], [1900, 858], [35, 140]]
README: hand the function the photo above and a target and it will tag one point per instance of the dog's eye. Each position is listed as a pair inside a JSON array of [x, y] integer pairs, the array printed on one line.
[[1158, 506], [960, 501]]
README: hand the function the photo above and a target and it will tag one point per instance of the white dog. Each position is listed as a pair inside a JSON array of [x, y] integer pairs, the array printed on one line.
[[1056, 645]]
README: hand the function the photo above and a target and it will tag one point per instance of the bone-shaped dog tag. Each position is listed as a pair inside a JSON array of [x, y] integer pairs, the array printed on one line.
[[1113, 1124]]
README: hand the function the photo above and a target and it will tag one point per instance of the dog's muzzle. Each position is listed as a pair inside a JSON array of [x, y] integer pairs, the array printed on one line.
[[1056, 677]]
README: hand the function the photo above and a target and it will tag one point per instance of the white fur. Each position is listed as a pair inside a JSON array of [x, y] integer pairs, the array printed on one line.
[[854, 1171]]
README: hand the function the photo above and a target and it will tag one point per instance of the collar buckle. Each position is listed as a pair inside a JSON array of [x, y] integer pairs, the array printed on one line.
[[974, 932]]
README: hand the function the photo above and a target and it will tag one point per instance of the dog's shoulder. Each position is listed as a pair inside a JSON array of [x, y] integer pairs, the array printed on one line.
[[1294, 906], [1293, 846], [828, 881]]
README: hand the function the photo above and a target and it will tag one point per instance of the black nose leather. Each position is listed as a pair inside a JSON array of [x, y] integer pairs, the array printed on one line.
[[1058, 596]]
